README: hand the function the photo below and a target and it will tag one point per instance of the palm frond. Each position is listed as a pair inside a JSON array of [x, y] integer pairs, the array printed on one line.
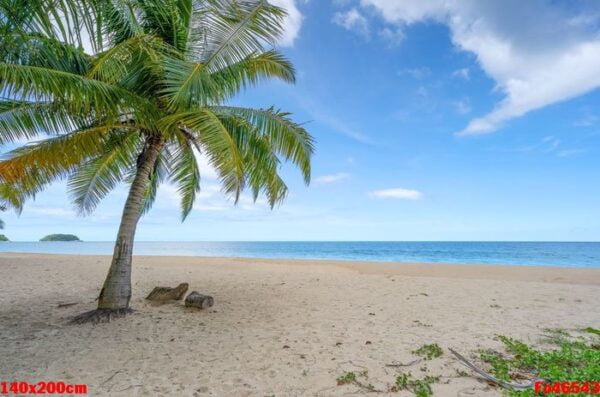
[[24, 120], [34, 49], [91, 182], [34, 165], [70, 21], [260, 160], [113, 65], [290, 140], [79, 93], [234, 30], [189, 84], [185, 174], [119, 20], [11, 197], [166, 19], [218, 144], [159, 175]]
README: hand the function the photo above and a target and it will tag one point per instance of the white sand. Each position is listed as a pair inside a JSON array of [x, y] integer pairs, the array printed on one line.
[[321, 310]]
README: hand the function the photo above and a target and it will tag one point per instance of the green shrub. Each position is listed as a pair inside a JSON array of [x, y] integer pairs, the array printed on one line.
[[571, 360]]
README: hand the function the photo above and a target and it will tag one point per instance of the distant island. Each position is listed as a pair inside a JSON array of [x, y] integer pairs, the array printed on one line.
[[3, 238], [60, 237]]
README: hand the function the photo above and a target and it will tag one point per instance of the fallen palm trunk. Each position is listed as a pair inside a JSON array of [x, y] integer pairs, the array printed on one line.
[[199, 301], [164, 294]]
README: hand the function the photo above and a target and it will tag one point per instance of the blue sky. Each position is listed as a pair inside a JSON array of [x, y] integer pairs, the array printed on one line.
[[434, 120]]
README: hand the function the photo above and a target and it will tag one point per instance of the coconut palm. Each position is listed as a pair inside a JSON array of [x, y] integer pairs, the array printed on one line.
[[148, 95]]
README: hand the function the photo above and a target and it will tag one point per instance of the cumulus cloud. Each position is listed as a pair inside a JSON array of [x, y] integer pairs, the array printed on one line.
[[292, 23], [353, 20], [539, 52], [397, 193], [333, 178]]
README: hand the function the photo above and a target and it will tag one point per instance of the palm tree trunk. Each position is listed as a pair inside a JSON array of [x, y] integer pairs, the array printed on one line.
[[116, 292]]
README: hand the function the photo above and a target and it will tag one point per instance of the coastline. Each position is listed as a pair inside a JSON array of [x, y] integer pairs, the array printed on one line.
[[278, 327], [553, 254], [546, 274]]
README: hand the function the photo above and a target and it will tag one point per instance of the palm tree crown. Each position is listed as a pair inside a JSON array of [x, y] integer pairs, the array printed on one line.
[[161, 74]]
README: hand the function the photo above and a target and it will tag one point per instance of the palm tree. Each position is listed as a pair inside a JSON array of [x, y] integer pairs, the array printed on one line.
[[149, 94]]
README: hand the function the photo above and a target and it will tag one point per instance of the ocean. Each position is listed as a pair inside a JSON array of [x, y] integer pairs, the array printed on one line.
[[563, 254]]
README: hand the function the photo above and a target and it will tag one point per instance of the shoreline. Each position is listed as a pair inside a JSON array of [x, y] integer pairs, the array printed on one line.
[[526, 273]]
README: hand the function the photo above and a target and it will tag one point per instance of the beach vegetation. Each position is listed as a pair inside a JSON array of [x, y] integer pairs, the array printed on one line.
[[357, 379], [346, 378], [591, 330], [111, 92], [429, 351], [569, 359], [419, 387], [3, 238]]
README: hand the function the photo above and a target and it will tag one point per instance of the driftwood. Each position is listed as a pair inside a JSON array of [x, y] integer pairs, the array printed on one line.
[[164, 294], [199, 301], [506, 385]]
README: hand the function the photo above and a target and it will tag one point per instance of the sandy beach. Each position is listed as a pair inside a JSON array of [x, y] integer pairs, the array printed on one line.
[[278, 327]]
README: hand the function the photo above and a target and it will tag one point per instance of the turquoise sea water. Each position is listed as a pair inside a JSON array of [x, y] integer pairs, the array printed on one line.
[[564, 254]]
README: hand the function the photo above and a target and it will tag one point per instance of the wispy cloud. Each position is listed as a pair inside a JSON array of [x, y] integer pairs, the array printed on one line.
[[332, 178], [353, 21], [463, 106], [463, 73], [588, 120], [569, 152], [416, 73], [396, 193], [394, 36], [332, 121], [549, 145], [51, 211]]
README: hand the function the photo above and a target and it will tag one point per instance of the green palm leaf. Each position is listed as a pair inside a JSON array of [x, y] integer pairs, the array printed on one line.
[[74, 91], [218, 144], [288, 139], [185, 174], [91, 182]]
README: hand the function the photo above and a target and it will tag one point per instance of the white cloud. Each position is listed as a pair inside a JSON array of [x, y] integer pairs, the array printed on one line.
[[394, 36], [291, 24], [397, 193], [464, 73], [463, 106], [569, 152], [538, 52], [333, 178], [354, 21], [416, 73], [588, 120]]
